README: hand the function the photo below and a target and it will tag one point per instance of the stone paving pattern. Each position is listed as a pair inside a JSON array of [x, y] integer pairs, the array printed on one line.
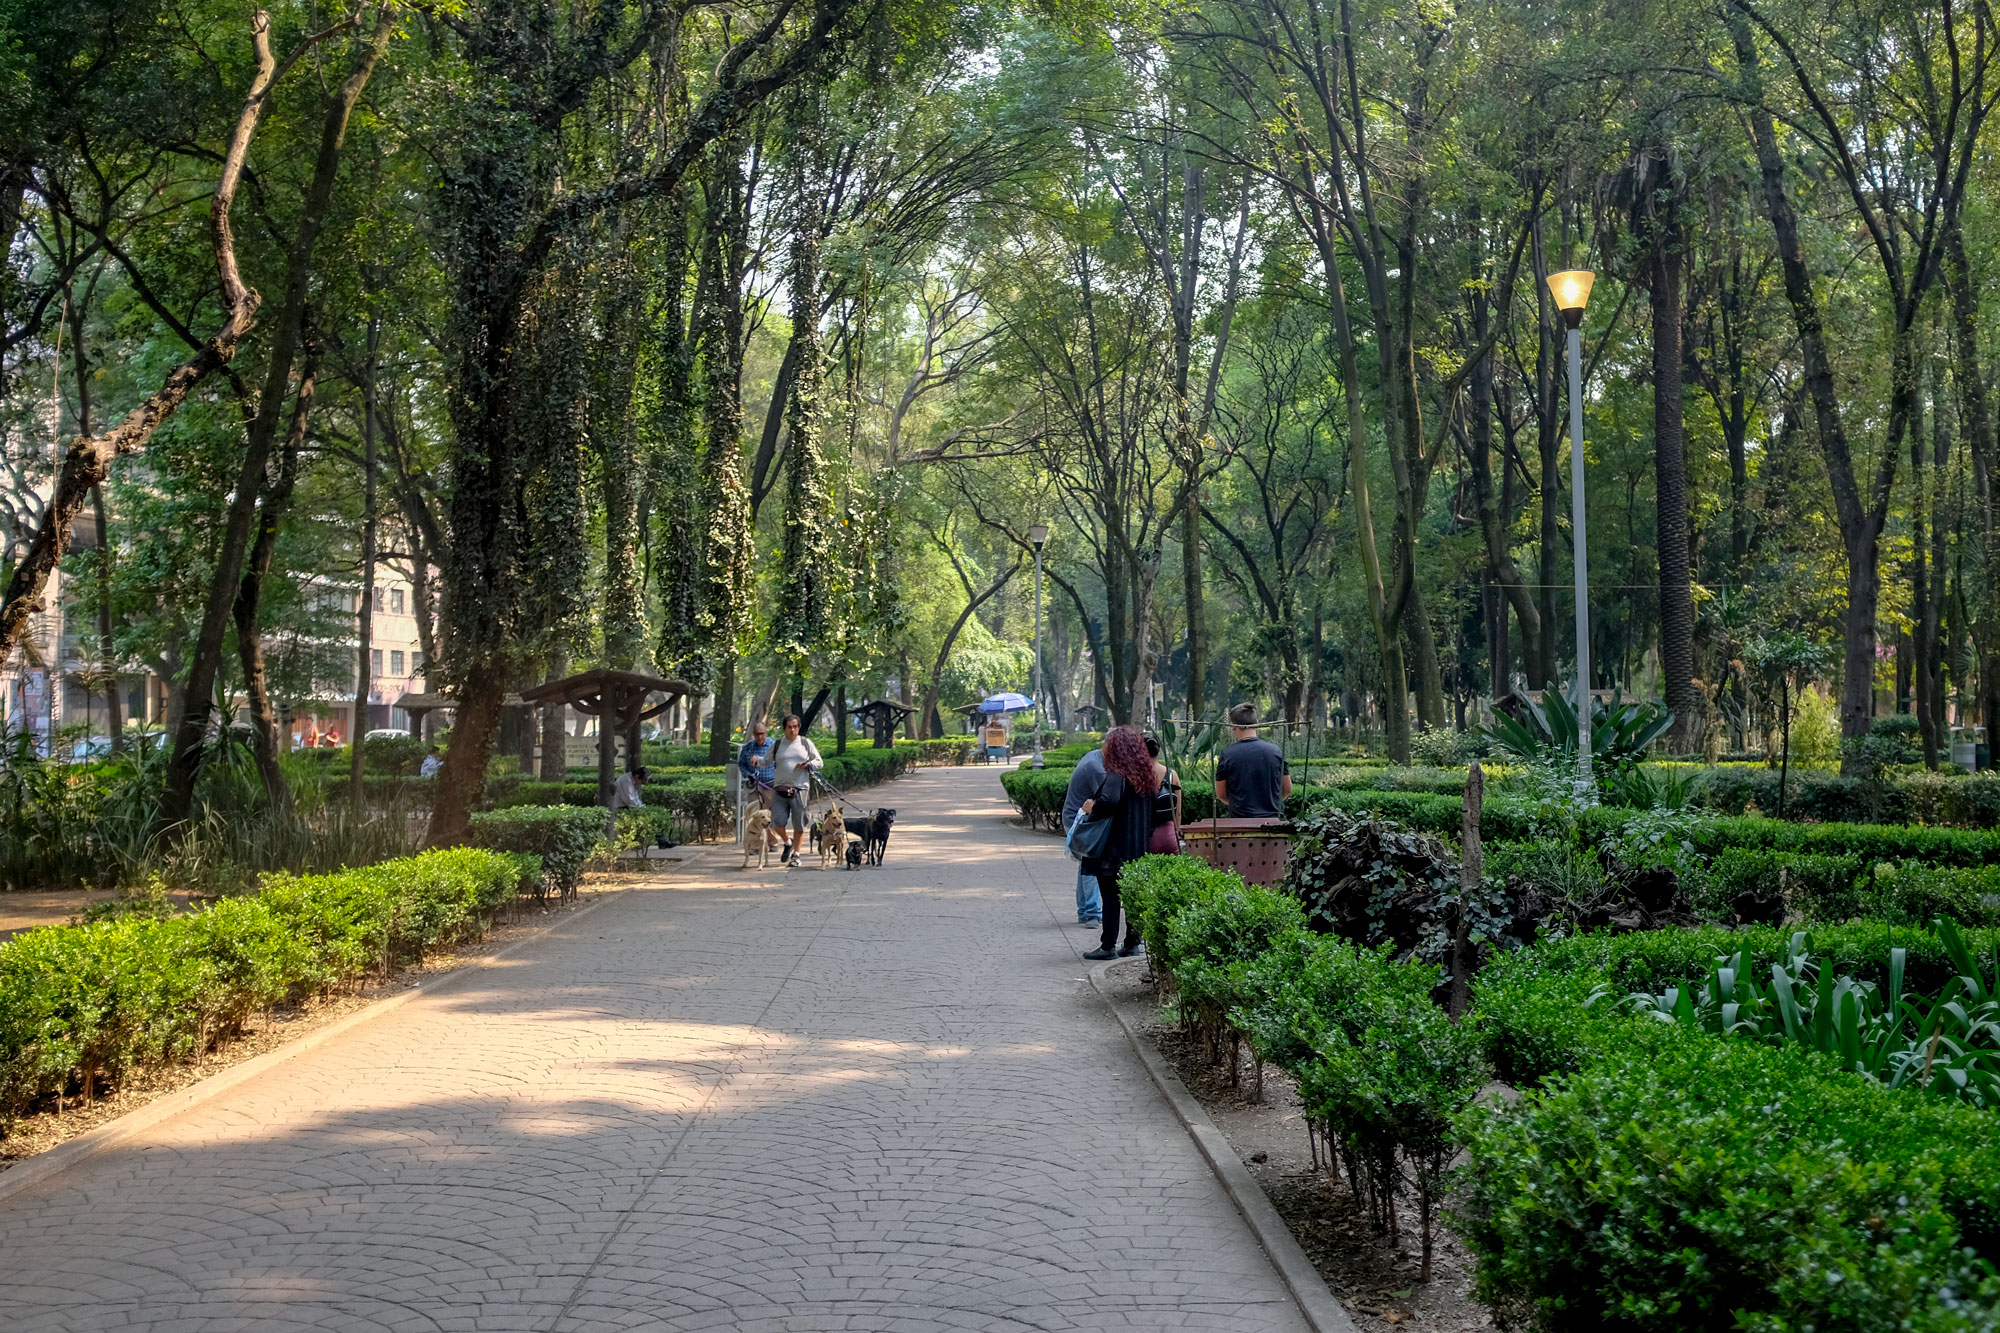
[[805, 1100]]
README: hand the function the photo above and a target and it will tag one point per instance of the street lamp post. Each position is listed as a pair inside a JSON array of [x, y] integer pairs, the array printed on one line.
[[1038, 534], [1571, 290]]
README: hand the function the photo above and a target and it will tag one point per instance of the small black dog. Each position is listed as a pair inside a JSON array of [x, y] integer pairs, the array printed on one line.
[[873, 834], [854, 853]]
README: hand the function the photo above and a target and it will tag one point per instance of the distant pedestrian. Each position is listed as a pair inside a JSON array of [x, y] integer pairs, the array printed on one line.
[[1083, 781], [1125, 797], [755, 765], [1166, 804], [625, 792], [1252, 777], [433, 762], [795, 760]]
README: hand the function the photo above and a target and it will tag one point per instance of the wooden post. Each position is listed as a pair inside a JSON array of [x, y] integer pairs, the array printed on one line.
[[607, 741], [1471, 870]]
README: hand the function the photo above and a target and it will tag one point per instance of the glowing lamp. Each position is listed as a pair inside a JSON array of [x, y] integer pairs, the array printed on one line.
[[1571, 288]]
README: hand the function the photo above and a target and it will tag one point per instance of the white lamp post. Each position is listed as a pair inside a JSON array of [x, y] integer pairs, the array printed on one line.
[[1038, 534], [1571, 290]]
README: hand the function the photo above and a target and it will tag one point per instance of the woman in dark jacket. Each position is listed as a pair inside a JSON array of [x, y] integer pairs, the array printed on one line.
[[1125, 797]]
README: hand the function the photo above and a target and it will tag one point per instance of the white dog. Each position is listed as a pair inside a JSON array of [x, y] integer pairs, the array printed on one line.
[[756, 838]]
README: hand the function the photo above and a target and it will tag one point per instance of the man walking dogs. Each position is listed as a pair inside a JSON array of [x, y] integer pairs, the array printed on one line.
[[1252, 777], [795, 760]]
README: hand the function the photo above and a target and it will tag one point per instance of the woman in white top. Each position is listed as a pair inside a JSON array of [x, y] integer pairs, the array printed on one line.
[[796, 759]]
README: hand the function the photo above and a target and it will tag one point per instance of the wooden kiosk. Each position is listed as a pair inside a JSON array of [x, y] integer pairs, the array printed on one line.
[[620, 701]]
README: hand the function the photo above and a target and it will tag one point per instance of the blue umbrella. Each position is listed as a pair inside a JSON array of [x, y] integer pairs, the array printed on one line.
[[1006, 703]]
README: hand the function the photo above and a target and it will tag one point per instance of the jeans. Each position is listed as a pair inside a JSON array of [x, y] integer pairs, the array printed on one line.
[[1089, 907], [1108, 887]]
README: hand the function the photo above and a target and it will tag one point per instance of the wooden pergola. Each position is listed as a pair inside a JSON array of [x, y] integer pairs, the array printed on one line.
[[881, 717], [619, 702], [420, 706], [1092, 716]]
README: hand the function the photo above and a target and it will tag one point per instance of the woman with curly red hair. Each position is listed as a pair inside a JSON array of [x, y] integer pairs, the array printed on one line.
[[1125, 797]]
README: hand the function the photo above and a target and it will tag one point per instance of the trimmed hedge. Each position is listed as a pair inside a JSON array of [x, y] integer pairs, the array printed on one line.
[[1969, 801], [1679, 1181], [701, 806], [1651, 1177], [1504, 819], [1381, 1070], [566, 838], [83, 1004]]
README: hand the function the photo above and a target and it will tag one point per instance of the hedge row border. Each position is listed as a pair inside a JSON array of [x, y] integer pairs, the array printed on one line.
[[71, 1153]]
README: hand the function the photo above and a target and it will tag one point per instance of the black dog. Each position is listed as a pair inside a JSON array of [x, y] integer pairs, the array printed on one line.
[[873, 834], [854, 853]]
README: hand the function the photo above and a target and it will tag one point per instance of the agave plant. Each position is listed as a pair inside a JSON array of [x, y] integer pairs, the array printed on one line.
[[1948, 1045], [1545, 731]]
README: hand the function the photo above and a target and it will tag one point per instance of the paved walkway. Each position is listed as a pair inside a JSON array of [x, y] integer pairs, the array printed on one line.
[[809, 1101]]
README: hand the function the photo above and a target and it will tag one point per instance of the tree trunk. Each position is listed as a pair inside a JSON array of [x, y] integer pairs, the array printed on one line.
[[1670, 484], [1495, 516], [206, 662], [1548, 446], [944, 652], [555, 723], [365, 622], [1860, 523], [107, 644], [722, 720], [249, 600], [1976, 426]]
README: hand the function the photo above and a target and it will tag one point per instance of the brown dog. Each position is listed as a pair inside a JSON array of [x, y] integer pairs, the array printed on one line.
[[832, 839], [756, 838]]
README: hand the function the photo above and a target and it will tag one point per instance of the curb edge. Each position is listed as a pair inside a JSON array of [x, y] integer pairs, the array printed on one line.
[[1316, 1301]]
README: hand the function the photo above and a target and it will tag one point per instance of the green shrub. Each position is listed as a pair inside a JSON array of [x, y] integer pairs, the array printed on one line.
[[701, 804], [1214, 937], [1751, 884], [83, 1004], [952, 751], [645, 827], [865, 767], [1914, 894], [1038, 794], [1679, 1181], [1652, 960], [398, 756], [567, 838], [1157, 889]]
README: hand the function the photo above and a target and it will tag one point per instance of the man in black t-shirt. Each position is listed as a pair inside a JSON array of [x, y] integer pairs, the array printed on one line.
[[1252, 777]]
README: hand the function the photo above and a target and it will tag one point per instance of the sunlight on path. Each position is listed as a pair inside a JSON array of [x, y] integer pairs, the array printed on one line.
[[785, 1100]]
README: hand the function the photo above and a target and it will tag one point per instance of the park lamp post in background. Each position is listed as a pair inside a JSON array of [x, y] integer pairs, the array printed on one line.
[[1038, 534], [1571, 290]]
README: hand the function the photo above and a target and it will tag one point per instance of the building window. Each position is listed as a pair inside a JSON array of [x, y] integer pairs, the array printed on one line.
[[378, 599], [396, 600], [416, 664], [375, 662], [395, 661]]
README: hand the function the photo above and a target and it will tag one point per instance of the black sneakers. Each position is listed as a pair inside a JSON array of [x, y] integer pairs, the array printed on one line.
[[1132, 950], [1099, 955]]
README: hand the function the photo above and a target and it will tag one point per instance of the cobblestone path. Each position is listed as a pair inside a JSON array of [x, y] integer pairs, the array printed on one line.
[[805, 1100]]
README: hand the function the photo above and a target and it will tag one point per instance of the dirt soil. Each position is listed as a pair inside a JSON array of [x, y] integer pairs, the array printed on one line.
[[1374, 1276], [43, 1130]]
